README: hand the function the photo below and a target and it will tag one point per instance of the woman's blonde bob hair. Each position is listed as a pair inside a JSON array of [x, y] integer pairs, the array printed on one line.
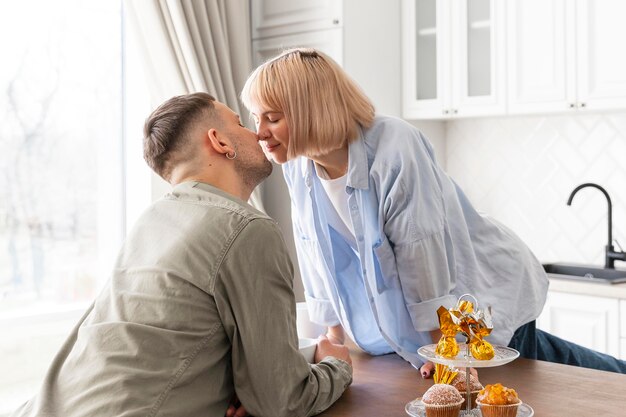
[[322, 105]]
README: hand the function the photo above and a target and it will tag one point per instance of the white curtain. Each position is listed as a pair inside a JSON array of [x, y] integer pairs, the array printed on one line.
[[194, 45]]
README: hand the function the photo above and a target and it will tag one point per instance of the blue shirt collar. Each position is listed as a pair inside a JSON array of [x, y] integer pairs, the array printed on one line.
[[358, 167]]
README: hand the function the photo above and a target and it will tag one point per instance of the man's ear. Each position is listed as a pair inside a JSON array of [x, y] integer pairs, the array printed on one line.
[[219, 142]]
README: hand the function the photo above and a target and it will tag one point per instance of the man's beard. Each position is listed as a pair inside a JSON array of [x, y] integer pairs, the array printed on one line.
[[252, 172]]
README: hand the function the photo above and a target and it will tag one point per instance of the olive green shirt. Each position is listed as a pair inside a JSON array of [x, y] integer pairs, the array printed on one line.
[[200, 306]]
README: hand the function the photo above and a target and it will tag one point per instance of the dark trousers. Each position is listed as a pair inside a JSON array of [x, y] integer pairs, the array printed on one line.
[[533, 343]]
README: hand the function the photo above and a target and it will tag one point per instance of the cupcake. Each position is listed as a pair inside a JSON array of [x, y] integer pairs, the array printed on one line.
[[459, 383], [442, 400], [498, 401]]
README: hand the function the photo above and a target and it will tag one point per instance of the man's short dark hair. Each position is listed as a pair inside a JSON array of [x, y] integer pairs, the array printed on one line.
[[165, 130]]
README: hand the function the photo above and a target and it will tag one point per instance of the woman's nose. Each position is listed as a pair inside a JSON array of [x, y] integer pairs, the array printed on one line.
[[263, 132]]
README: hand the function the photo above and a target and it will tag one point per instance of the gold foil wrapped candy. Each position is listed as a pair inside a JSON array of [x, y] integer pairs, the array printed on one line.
[[444, 374], [447, 346], [473, 324], [481, 349]]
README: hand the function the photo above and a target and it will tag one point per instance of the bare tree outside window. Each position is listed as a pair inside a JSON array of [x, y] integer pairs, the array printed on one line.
[[60, 155]]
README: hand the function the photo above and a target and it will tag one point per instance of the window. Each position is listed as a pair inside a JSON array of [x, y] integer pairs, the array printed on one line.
[[62, 175]]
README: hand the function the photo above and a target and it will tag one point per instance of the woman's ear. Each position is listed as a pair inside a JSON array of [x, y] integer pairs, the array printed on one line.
[[218, 142]]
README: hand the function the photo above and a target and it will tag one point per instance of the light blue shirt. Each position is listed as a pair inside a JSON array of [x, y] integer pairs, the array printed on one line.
[[419, 245]]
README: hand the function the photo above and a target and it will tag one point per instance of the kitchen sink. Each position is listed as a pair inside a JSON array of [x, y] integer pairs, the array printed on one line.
[[586, 273]]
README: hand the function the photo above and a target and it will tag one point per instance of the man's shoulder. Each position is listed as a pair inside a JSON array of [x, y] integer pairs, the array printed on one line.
[[212, 198], [201, 215]]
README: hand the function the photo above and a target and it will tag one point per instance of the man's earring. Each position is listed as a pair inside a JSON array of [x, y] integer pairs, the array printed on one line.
[[232, 157]]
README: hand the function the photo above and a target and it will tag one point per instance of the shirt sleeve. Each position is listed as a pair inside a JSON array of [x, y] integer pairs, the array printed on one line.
[[412, 210], [310, 260], [254, 294], [320, 308]]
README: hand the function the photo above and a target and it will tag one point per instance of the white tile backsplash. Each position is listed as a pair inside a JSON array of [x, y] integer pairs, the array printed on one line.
[[521, 170]]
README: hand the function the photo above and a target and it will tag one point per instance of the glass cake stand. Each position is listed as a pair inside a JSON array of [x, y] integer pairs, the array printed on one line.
[[464, 359]]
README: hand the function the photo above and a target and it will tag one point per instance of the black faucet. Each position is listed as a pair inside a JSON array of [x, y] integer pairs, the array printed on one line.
[[611, 255]]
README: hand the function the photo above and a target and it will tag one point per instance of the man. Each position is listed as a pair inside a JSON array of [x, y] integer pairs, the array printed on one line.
[[200, 308]]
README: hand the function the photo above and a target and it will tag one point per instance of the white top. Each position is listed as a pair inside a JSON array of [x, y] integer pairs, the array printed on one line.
[[336, 192]]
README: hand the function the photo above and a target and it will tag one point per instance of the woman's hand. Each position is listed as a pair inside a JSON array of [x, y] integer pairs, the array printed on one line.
[[428, 369]]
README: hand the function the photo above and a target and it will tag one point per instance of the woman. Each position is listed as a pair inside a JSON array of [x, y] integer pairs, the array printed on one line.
[[384, 236]]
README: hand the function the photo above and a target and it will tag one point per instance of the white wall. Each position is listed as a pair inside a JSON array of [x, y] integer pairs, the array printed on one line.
[[521, 171], [371, 51]]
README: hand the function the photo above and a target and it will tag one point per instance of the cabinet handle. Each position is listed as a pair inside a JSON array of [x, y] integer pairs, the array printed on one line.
[[445, 112], [583, 104], [454, 111], [335, 21], [572, 105]]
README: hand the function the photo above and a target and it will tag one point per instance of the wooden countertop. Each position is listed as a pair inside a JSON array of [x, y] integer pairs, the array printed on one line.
[[383, 385]]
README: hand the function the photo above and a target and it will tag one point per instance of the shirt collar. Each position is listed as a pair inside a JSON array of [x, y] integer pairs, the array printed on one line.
[[358, 176], [191, 187]]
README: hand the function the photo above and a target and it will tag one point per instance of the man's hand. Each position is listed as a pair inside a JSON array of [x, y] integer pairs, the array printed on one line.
[[336, 335], [326, 348], [235, 409]]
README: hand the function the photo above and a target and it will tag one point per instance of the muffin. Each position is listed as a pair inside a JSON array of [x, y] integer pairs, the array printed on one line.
[[498, 401], [442, 400], [475, 386]]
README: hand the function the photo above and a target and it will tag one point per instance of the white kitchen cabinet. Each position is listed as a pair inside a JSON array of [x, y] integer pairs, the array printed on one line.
[[282, 24], [622, 321], [282, 17], [565, 55], [453, 58], [589, 321], [363, 36], [622, 317], [328, 41]]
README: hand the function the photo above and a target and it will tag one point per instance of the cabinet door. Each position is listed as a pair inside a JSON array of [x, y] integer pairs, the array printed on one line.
[[586, 320], [453, 58], [601, 32], [425, 55], [328, 41], [541, 61], [282, 17], [622, 320], [478, 58]]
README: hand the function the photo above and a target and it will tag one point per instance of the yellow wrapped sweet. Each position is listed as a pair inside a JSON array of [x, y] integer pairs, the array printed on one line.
[[481, 349], [446, 324], [447, 347], [444, 374], [473, 324], [465, 307]]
